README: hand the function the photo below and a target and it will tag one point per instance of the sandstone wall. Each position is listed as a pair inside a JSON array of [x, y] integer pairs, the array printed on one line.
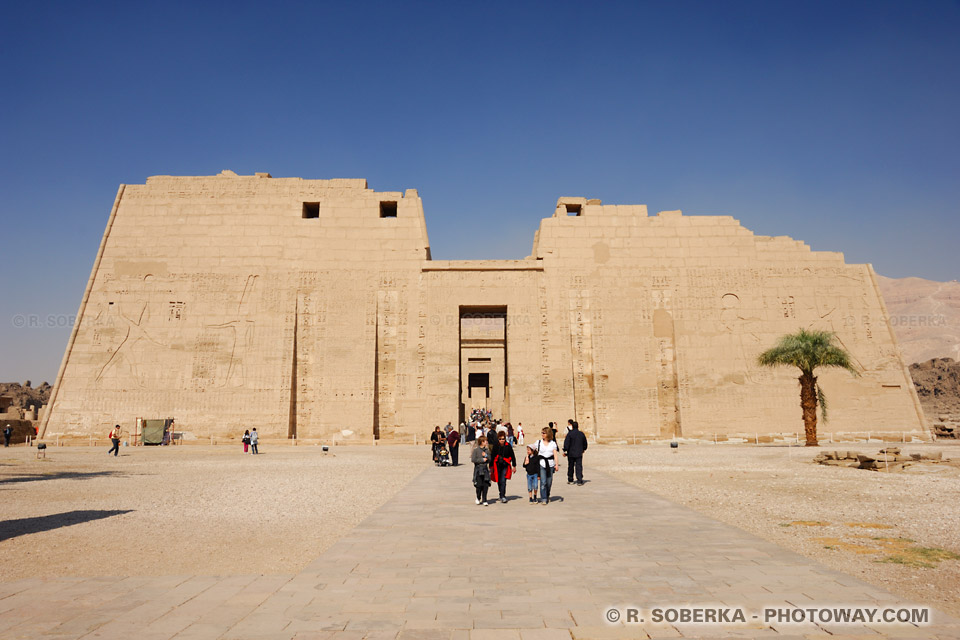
[[312, 308], [204, 287], [669, 312]]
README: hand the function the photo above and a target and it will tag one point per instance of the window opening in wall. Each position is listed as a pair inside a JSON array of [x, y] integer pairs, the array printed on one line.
[[311, 209], [573, 209], [478, 359], [388, 209]]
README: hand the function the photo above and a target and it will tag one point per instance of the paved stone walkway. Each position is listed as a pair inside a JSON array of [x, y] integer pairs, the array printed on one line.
[[431, 564]]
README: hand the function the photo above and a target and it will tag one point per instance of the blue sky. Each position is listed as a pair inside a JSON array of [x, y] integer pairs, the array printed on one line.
[[832, 122]]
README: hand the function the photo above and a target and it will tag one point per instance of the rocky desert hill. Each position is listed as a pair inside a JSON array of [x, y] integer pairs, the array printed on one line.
[[925, 315], [24, 395], [938, 385], [938, 382]]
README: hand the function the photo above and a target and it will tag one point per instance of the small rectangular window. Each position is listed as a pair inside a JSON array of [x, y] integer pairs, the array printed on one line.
[[311, 209], [573, 209], [388, 209]]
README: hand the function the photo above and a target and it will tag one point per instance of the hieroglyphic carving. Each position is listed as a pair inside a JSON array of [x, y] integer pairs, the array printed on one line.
[[175, 311], [140, 331], [581, 347], [743, 331], [421, 363], [598, 366], [664, 333], [126, 320], [238, 338], [546, 384], [400, 380], [387, 313], [311, 331], [788, 307]]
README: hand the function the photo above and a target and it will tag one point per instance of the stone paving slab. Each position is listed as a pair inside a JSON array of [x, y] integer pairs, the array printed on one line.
[[432, 565]]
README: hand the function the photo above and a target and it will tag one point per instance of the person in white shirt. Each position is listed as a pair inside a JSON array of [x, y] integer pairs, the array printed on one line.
[[549, 455]]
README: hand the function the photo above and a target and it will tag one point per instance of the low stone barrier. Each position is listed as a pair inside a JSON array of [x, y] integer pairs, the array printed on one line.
[[889, 459]]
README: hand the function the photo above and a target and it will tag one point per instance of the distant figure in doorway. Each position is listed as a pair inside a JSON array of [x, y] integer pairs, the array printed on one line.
[[573, 447], [246, 441], [254, 440], [115, 435]]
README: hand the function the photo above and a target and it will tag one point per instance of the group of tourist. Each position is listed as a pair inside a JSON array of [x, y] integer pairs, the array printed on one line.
[[494, 460], [445, 446], [482, 423], [251, 441], [445, 443]]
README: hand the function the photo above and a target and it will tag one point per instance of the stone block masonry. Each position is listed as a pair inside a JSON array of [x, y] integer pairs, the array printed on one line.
[[313, 309]]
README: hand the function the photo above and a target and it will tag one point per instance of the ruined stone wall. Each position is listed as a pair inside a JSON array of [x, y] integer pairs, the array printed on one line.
[[312, 308]]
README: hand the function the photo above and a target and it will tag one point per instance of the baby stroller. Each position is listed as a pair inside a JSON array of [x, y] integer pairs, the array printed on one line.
[[443, 456]]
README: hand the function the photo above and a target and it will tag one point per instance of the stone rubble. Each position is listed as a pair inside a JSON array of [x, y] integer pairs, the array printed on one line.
[[889, 459]]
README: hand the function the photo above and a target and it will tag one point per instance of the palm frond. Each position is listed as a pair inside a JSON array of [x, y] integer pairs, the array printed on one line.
[[807, 350], [822, 401]]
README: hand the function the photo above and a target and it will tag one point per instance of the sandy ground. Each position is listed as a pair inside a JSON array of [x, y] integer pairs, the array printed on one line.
[[207, 510], [210, 510], [851, 520]]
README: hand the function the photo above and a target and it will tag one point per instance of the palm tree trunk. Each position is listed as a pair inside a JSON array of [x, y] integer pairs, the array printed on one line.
[[808, 403]]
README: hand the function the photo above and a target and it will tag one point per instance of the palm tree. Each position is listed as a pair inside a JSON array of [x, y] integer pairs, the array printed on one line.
[[808, 350]]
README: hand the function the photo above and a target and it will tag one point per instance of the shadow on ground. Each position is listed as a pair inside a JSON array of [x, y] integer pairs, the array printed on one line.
[[58, 475], [23, 526]]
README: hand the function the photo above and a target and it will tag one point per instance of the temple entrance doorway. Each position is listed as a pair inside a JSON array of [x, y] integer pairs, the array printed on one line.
[[478, 389], [483, 361]]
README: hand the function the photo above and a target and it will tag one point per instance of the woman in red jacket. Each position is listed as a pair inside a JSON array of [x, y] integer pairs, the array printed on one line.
[[502, 464]]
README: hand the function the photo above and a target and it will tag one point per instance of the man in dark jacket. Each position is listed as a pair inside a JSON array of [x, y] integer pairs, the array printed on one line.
[[573, 447], [453, 445]]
